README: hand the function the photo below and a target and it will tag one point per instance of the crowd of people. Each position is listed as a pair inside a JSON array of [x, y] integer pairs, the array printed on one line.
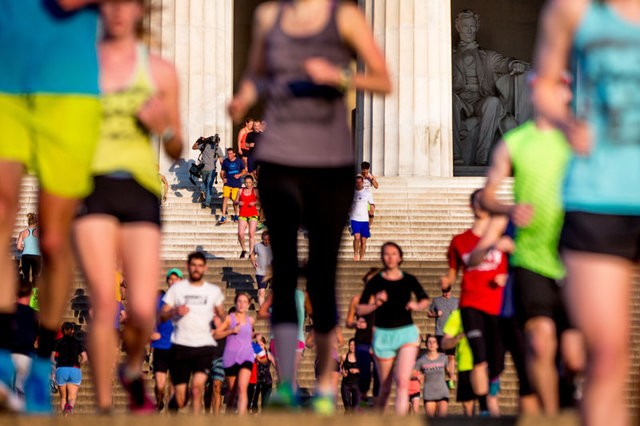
[[84, 129]]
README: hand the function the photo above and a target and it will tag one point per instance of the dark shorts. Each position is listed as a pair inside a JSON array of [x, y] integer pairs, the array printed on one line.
[[235, 369], [464, 391], [122, 198], [450, 352], [186, 360], [482, 333], [261, 282], [161, 360], [437, 400], [614, 235], [413, 396], [538, 296]]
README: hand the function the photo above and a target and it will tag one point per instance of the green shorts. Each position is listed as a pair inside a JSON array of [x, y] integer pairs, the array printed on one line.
[[387, 341], [54, 136]]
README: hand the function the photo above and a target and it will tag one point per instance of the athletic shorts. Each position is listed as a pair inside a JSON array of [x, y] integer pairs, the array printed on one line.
[[538, 296], [615, 235], [186, 360], [481, 330], [450, 352], [122, 198], [464, 389], [54, 136], [161, 360], [229, 192], [217, 370], [387, 341], [248, 218], [361, 228], [437, 400], [68, 376], [261, 282], [235, 368]]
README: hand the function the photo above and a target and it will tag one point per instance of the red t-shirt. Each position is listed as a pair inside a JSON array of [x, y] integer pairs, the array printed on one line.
[[479, 290]]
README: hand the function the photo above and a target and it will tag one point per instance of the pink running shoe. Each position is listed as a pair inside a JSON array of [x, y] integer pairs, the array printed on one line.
[[139, 401]]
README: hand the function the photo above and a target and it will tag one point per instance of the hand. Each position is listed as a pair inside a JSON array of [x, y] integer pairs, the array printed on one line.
[[322, 71], [506, 245], [521, 214], [381, 297], [440, 313], [251, 204], [579, 136], [181, 310], [500, 280], [237, 175], [412, 306], [154, 115], [445, 282]]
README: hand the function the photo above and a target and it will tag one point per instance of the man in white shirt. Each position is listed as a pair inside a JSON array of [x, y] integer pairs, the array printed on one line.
[[192, 304], [361, 208]]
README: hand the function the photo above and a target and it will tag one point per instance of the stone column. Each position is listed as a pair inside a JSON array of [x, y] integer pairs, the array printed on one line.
[[409, 133], [197, 36]]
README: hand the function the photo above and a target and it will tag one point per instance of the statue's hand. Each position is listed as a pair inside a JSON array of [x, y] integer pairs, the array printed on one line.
[[517, 67]]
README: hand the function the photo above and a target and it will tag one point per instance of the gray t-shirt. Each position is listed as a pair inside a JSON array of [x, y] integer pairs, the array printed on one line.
[[210, 157], [264, 258], [435, 384], [446, 306]]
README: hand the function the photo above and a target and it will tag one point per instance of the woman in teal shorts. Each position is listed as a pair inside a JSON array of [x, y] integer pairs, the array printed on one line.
[[394, 334]]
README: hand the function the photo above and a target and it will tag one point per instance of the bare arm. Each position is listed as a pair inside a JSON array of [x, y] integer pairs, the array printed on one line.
[[488, 241], [558, 23], [499, 170], [449, 279], [20, 243], [350, 320]]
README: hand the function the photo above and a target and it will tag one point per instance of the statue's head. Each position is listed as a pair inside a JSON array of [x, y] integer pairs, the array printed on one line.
[[467, 24]]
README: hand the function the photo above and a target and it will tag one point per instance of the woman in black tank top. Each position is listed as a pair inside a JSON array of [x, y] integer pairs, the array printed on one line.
[[350, 377], [300, 62]]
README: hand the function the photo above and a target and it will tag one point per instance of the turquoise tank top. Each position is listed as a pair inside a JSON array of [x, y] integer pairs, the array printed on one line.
[[45, 50], [31, 244], [606, 61]]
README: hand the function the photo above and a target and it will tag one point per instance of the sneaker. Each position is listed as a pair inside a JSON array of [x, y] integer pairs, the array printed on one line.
[[37, 392], [451, 384], [139, 402], [243, 254], [234, 218], [324, 404], [284, 397], [222, 220]]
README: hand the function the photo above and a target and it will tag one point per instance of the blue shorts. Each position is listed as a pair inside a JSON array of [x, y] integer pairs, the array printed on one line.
[[217, 370], [68, 376], [387, 341], [361, 228]]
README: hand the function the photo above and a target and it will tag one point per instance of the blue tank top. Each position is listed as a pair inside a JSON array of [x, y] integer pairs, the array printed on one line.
[[44, 50], [31, 245], [606, 61]]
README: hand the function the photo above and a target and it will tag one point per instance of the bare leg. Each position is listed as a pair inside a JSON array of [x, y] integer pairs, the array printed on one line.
[[216, 397], [363, 247], [324, 344], [72, 394], [468, 408], [443, 408], [233, 392], [181, 394], [405, 361], [197, 391], [161, 384], [242, 227], [96, 241], [63, 396], [10, 177], [384, 367], [141, 263], [430, 408], [242, 385], [253, 225], [601, 283], [356, 246], [540, 333], [480, 379]]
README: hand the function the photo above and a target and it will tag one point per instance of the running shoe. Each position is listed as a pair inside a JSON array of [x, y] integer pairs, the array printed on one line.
[[222, 220], [324, 404], [68, 410], [139, 401], [37, 392], [284, 398], [234, 218]]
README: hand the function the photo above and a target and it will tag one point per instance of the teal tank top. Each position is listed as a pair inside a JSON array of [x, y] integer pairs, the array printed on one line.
[[31, 244], [45, 50], [606, 62]]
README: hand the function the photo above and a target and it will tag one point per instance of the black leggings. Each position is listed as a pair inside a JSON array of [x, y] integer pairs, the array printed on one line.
[[350, 392], [31, 265], [318, 199]]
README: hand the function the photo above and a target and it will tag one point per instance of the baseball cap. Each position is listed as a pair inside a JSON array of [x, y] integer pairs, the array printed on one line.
[[175, 271]]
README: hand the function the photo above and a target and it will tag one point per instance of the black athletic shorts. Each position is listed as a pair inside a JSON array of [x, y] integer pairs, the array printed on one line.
[[464, 390], [161, 360], [186, 360], [451, 352], [123, 198], [481, 330], [538, 296], [235, 369], [615, 235]]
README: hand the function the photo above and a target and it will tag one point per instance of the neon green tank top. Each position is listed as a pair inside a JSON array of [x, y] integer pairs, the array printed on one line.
[[124, 145], [539, 159]]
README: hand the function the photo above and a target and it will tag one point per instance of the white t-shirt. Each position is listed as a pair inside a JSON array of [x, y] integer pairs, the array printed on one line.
[[194, 328], [360, 207], [264, 259]]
